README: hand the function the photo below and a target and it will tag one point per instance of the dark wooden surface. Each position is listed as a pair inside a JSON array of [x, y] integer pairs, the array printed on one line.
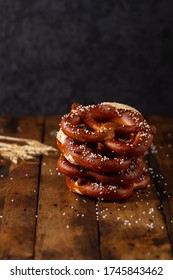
[[41, 219]]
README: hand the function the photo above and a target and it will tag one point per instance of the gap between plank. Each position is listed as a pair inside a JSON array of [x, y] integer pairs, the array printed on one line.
[[162, 193], [38, 188]]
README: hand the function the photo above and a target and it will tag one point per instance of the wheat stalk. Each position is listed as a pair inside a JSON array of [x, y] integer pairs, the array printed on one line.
[[15, 152]]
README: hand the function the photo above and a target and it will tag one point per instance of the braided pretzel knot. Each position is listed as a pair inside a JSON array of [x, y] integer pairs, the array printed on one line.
[[102, 147], [103, 122]]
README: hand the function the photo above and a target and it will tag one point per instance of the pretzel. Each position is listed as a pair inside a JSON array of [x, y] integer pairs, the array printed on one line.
[[81, 124], [122, 178], [142, 142], [102, 150], [104, 191], [82, 133], [102, 122], [85, 156]]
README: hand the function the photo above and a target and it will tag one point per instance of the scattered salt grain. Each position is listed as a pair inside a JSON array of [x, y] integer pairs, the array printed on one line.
[[53, 133], [19, 129]]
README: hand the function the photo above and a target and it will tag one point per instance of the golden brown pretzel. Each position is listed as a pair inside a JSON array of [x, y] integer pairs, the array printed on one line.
[[95, 116], [84, 155], [140, 145], [104, 191], [97, 122], [104, 122], [123, 121], [122, 178], [73, 126]]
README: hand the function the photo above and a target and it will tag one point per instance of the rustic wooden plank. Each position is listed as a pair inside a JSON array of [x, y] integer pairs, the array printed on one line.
[[161, 157], [67, 226], [18, 192], [136, 229]]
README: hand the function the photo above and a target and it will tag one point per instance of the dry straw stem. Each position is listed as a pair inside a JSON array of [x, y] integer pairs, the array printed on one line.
[[15, 152]]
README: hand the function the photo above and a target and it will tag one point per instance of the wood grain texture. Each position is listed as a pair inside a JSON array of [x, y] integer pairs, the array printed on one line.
[[41, 219], [134, 229], [18, 192], [67, 228], [161, 158]]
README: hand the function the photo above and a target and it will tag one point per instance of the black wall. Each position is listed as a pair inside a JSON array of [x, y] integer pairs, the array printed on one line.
[[55, 52]]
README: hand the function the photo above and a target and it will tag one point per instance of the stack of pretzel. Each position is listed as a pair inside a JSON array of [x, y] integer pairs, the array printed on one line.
[[102, 150]]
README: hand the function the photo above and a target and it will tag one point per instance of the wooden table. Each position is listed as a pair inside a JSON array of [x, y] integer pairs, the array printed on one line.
[[41, 219]]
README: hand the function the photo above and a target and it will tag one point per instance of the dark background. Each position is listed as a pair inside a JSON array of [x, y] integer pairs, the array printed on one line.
[[55, 52]]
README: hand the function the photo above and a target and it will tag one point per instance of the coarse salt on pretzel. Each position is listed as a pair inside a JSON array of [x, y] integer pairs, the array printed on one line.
[[73, 127], [106, 191], [84, 155], [124, 120], [121, 178], [81, 124]]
